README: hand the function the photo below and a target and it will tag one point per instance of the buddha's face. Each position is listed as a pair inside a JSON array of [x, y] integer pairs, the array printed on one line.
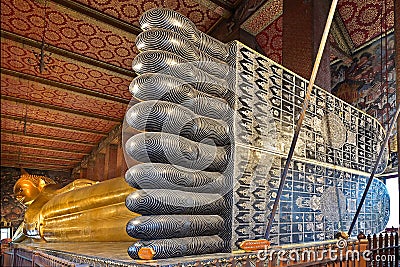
[[25, 191]]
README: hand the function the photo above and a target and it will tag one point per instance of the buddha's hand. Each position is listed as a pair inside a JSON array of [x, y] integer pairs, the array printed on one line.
[[184, 142]]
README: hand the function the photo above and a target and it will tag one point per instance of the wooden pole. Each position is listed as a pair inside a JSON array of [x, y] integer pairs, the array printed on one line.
[[397, 64], [302, 114]]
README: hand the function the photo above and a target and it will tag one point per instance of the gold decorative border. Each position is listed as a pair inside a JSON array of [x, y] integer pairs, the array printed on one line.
[[263, 17]]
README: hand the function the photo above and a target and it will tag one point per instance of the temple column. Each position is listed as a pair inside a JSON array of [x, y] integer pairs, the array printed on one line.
[[99, 167], [83, 173], [90, 169], [112, 161], [302, 36], [121, 164]]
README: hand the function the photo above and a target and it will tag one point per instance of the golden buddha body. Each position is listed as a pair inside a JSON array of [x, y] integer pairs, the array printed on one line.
[[84, 210]]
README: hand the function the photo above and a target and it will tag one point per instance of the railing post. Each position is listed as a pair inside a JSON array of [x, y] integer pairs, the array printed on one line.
[[396, 253]]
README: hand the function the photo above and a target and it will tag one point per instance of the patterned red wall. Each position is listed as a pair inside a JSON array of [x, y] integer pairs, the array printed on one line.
[[270, 40], [366, 19]]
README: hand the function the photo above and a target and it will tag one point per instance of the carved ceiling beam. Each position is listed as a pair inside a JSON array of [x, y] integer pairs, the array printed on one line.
[[340, 54], [76, 155], [217, 7], [33, 165], [98, 15], [73, 161], [68, 110], [53, 125], [67, 53], [228, 29], [44, 147], [68, 87], [50, 138], [342, 38]]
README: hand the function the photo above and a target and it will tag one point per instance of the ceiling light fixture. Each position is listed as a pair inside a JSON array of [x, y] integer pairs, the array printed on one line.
[[42, 59]]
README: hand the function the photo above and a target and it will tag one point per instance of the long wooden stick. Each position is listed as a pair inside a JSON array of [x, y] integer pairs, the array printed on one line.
[[374, 169], [303, 113]]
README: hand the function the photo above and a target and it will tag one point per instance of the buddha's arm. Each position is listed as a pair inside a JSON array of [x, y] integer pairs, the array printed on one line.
[[76, 184], [32, 217], [19, 235], [90, 213]]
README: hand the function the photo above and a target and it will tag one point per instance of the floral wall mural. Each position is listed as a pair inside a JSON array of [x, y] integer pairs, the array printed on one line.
[[369, 83]]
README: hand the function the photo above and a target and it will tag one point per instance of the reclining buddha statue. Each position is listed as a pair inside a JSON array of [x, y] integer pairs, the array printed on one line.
[[83, 210], [206, 139]]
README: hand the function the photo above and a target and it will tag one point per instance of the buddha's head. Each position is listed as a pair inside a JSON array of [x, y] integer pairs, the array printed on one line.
[[28, 187]]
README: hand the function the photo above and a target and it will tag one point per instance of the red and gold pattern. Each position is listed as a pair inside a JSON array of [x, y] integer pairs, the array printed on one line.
[[42, 114], [263, 17], [19, 57], [48, 131], [270, 40], [366, 19], [130, 11], [46, 94], [69, 30], [42, 142], [15, 149]]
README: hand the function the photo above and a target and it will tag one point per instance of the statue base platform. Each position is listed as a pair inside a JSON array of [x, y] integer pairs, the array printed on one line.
[[114, 254], [111, 254]]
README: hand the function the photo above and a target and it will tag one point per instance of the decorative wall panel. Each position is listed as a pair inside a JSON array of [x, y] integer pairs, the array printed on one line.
[[270, 40], [335, 153], [370, 86], [263, 17], [366, 20]]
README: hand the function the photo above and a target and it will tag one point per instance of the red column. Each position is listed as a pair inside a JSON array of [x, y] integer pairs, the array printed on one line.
[[99, 167], [90, 169], [112, 161], [303, 26], [121, 164], [83, 173]]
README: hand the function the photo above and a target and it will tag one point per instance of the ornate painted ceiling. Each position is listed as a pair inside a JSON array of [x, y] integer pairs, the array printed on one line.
[[55, 113]]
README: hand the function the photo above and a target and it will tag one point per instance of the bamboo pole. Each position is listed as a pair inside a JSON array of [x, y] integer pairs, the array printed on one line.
[[303, 113]]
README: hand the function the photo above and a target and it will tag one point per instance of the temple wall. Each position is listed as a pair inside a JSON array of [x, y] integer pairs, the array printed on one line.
[[369, 86]]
